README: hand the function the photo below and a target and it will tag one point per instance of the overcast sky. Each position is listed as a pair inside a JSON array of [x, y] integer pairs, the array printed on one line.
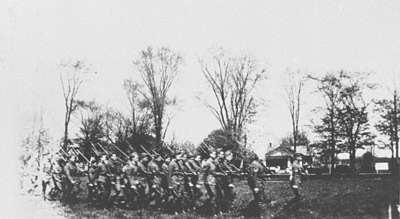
[[312, 36]]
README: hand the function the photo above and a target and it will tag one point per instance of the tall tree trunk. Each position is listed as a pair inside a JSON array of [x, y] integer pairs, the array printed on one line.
[[158, 131], [396, 131], [392, 136], [134, 120], [332, 142], [65, 136], [352, 157], [294, 140]]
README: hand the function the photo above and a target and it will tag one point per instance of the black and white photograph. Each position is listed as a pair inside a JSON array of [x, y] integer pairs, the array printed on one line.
[[200, 109]]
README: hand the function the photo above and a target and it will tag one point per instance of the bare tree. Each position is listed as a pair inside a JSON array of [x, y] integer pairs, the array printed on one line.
[[34, 149], [71, 81], [293, 93], [139, 108], [158, 68], [232, 81]]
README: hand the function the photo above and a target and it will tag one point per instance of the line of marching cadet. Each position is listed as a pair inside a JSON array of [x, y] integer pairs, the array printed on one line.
[[177, 183]]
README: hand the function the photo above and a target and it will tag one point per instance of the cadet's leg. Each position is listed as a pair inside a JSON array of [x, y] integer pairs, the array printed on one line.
[[196, 188], [252, 182], [229, 193], [295, 190], [44, 187], [295, 186], [67, 189], [219, 198], [90, 196]]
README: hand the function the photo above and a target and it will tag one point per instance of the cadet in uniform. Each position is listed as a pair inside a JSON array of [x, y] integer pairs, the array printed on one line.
[[176, 182], [155, 179], [46, 172], [164, 179], [194, 166], [296, 172], [115, 173], [131, 171], [256, 185], [92, 176], [143, 179], [103, 180], [58, 178], [209, 180], [71, 183], [220, 179], [227, 185]]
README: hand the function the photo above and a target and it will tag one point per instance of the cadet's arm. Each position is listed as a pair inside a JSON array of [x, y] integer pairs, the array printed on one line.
[[170, 172], [68, 173], [189, 167], [197, 167]]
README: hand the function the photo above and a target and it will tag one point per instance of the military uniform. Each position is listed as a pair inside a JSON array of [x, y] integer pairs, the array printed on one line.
[[71, 183], [227, 184], [46, 177], [155, 180], [256, 169], [220, 182], [131, 171], [209, 180], [194, 167], [296, 174], [116, 179], [92, 176], [143, 183], [103, 181], [176, 182], [164, 179], [58, 178]]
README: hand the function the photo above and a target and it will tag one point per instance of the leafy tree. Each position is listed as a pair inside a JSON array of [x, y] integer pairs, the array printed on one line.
[[352, 115], [330, 86], [91, 131], [389, 120], [344, 125], [219, 139], [301, 139], [186, 146], [367, 165], [111, 129]]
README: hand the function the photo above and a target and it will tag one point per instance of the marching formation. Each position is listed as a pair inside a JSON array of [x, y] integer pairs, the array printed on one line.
[[177, 183]]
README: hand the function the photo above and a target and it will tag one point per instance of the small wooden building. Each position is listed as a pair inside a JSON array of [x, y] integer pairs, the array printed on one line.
[[281, 155], [381, 161]]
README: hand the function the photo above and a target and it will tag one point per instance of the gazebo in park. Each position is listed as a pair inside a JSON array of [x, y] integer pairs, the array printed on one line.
[[280, 156]]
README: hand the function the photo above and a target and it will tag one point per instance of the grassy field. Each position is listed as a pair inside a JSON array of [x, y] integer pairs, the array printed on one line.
[[335, 198]]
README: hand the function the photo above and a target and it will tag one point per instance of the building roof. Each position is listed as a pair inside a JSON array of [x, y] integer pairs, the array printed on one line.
[[279, 151], [383, 152], [376, 152], [283, 151], [301, 149]]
